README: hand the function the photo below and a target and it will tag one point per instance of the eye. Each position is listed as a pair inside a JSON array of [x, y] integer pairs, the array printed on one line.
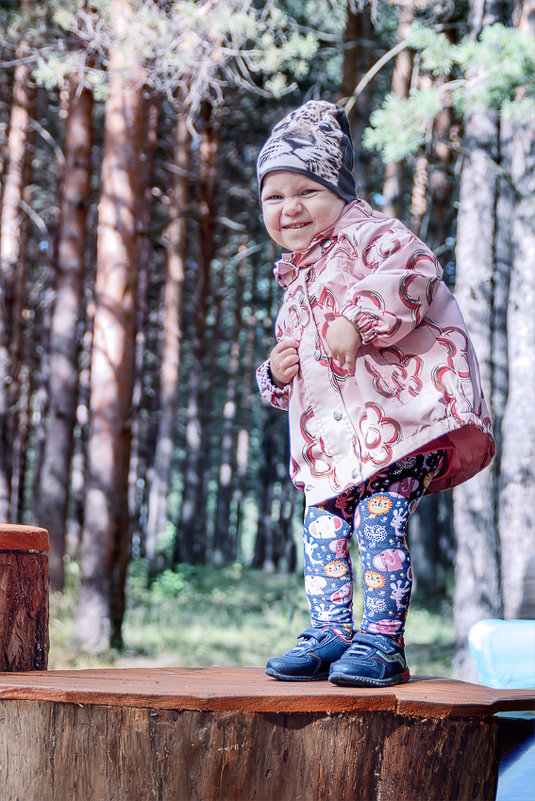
[[308, 191], [274, 196]]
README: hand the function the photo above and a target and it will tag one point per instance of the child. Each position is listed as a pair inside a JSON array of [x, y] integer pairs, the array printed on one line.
[[378, 374]]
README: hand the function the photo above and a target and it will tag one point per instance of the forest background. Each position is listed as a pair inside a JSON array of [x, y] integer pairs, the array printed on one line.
[[137, 296]]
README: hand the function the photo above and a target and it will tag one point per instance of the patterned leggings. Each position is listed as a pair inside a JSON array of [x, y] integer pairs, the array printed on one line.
[[378, 512]]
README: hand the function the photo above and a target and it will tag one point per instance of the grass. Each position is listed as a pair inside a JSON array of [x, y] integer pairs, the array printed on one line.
[[231, 616]]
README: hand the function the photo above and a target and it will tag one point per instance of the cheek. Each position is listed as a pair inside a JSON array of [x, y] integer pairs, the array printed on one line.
[[271, 224], [329, 212]]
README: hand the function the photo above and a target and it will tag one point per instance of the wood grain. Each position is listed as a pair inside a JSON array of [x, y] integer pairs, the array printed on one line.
[[23, 538], [249, 689], [76, 752], [24, 638]]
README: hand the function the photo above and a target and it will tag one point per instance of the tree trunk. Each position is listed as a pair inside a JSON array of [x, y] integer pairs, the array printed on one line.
[[358, 58], [12, 269], [441, 212], [144, 404], [105, 545], [431, 545], [24, 637], [517, 473], [419, 193], [401, 80], [477, 579], [224, 548], [192, 538], [176, 240], [244, 432], [53, 487], [231, 734]]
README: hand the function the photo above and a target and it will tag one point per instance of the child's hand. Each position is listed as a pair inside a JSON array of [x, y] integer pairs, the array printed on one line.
[[284, 362], [344, 341]]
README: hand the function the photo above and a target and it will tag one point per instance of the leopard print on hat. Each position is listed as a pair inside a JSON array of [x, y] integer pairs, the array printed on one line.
[[313, 140]]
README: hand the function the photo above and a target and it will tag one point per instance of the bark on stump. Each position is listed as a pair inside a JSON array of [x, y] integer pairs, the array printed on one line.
[[233, 734], [24, 584]]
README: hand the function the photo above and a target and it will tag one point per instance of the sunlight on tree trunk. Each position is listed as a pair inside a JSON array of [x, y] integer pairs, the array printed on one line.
[[105, 545], [192, 534], [171, 336], [517, 474], [477, 576], [12, 271], [144, 404], [53, 487]]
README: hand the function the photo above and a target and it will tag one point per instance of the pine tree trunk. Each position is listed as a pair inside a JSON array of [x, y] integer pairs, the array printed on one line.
[[441, 190], [53, 488], [401, 80], [192, 540], [12, 267], [224, 547], [172, 335], [243, 435], [105, 546], [266, 554], [430, 542], [477, 575], [517, 473], [419, 194], [144, 404], [358, 58], [477, 579]]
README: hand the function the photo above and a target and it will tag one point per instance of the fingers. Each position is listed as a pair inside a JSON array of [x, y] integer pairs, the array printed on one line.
[[346, 358], [286, 344], [284, 361], [343, 341]]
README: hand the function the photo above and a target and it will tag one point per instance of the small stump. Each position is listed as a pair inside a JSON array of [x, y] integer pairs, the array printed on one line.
[[24, 583]]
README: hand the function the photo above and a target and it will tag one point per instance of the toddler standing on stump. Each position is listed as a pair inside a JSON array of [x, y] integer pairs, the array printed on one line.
[[377, 372]]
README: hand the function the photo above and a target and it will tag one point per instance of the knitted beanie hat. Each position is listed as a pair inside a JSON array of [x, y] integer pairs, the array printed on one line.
[[313, 140]]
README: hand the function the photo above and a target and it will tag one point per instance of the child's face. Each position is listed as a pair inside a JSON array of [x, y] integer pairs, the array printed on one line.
[[296, 208]]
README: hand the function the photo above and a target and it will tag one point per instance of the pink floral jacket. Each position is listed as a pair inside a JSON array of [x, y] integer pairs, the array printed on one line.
[[416, 385]]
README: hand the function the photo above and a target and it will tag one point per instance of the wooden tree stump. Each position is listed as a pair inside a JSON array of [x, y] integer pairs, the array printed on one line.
[[24, 586], [233, 734]]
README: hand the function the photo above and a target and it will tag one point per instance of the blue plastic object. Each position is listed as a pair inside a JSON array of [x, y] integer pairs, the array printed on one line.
[[504, 655], [504, 652], [516, 777]]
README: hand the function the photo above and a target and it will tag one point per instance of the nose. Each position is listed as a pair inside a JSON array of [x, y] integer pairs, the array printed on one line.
[[292, 206]]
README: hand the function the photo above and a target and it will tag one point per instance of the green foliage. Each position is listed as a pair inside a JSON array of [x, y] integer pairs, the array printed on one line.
[[399, 127], [229, 616], [196, 46], [495, 72], [496, 66], [437, 52]]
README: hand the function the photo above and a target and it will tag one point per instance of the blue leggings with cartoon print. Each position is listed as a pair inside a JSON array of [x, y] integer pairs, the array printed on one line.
[[378, 512]]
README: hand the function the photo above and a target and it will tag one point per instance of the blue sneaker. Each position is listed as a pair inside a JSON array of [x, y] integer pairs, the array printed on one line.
[[311, 658], [372, 660]]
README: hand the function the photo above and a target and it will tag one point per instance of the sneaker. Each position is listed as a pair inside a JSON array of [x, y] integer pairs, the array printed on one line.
[[372, 660], [311, 658]]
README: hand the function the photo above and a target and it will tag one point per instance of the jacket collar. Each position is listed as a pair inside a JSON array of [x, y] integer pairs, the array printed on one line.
[[289, 265]]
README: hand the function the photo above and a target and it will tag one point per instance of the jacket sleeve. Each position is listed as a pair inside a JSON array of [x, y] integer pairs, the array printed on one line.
[[401, 276], [279, 398]]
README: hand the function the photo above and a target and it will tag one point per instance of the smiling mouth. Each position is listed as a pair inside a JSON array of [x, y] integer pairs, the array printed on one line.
[[295, 226]]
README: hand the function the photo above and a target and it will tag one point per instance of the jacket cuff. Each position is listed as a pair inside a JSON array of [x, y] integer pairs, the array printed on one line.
[[371, 325], [272, 393]]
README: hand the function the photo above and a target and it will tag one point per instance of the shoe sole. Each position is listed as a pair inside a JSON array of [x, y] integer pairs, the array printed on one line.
[[284, 677], [362, 681]]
